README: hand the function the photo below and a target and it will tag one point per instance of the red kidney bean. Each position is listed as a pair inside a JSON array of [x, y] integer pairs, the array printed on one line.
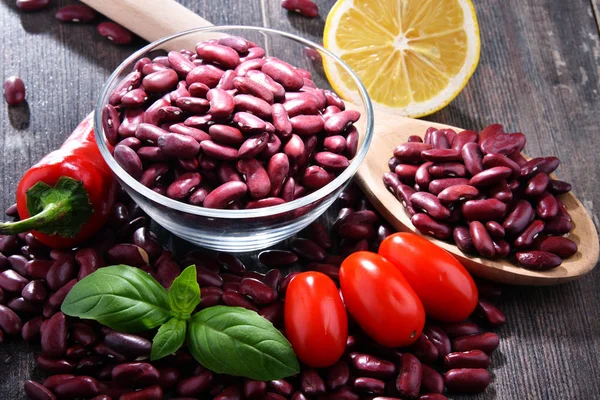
[[338, 375], [406, 172], [414, 139], [331, 161], [438, 338], [495, 229], [557, 187], [463, 138], [467, 359], [129, 82], [282, 387], [137, 374], [237, 43], [472, 158], [223, 56], [114, 32], [430, 204], [519, 218], [306, 8], [501, 143], [499, 160], [11, 281], [490, 314], [439, 140], [235, 299], [151, 393], [37, 269], [18, 263], [337, 123], [253, 146], [135, 98], [222, 103], [184, 185], [424, 223], [457, 329], [78, 386], [52, 381], [180, 63], [253, 105], [31, 329], [151, 67], [486, 342], [490, 131], [128, 254], [436, 186], [56, 299], [256, 177], [424, 349], [538, 260], [253, 87], [333, 99], [254, 389], [456, 193], [277, 258], [128, 160], [490, 177], [409, 380], [83, 334], [315, 177], [483, 210], [207, 75], [257, 291], [55, 366], [225, 194], [501, 191], [111, 123], [266, 81], [547, 206], [160, 81], [308, 249], [441, 155], [411, 152], [128, 344], [305, 125], [77, 351], [149, 133], [431, 380], [194, 104], [36, 391], [227, 135], [462, 238], [467, 380], [10, 323], [371, 366], [559, 225], [481, 239], [283, 73], [311, 383], [54, 336], [198, 89], [300, 106], [526, 238], [195, 385], [335, 144], [537, 185], [561, 246], [181, 92], [32, 5], [369, 385], [277, 170]]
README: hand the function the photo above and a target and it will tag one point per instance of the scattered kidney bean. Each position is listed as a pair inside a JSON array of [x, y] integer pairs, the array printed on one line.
[[78, 13], [14, 90], [467, 380], [114, 32], [306, 8]]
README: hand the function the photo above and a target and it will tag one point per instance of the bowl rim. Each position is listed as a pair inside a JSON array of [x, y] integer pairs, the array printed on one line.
[[225, 213]]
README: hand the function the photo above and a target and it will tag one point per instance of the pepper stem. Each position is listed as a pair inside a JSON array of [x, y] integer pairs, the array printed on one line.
[[60, 210]]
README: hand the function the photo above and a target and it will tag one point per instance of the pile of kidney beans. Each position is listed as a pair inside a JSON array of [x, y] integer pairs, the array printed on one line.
[[86, 360], [477, 189], [226, 127]]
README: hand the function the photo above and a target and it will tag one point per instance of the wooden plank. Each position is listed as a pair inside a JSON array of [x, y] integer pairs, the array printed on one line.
[[539, 75]]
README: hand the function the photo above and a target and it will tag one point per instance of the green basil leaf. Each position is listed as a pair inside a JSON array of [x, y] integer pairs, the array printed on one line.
[[236, 341], [121, 297], [168, 339], [184, 294]]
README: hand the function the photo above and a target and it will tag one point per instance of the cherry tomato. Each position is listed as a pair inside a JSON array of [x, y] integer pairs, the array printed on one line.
[[380, 299], [316, 322], [444, 286]]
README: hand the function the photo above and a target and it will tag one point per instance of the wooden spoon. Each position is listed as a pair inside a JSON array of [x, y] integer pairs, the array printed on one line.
[[155, 19]]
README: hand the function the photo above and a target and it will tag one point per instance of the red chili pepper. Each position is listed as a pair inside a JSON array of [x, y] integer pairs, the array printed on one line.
[[66, 197]]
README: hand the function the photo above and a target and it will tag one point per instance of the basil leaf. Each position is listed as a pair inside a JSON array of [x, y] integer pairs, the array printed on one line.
[[236, 341], [121, 297], [184, 294], [168, 339]]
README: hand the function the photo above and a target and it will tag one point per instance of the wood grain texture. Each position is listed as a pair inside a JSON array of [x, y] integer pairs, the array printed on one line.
[[538, 74]]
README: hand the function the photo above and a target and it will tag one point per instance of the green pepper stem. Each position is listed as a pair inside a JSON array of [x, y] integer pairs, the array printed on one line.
[[55, 210], [49, 215]]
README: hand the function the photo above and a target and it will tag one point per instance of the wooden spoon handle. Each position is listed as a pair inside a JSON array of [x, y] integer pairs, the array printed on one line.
[[150, 19]]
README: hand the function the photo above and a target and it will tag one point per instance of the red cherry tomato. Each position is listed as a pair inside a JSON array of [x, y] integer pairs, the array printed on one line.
[[444, 286], [380, 299], [316, 322]]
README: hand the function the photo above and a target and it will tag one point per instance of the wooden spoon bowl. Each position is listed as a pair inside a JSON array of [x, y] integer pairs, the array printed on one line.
[[392, 130], [154, 19]]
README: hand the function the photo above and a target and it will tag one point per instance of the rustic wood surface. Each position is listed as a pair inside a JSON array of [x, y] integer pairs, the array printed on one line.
[[539, 74]]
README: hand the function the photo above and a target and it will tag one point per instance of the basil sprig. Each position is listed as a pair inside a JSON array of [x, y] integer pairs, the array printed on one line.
[[228, 340]]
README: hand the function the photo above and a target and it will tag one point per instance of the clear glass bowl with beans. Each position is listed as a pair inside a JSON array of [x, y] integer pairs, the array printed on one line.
[[235, 142], [477, 190]]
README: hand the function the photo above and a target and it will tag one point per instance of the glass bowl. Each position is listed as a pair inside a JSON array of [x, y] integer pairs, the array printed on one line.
[[253, 229]]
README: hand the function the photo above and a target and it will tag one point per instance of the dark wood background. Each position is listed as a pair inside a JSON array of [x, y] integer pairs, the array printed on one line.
[[539, 74]]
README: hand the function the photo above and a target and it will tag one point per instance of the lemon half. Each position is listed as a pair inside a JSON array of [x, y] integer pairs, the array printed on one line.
[[413, 56]]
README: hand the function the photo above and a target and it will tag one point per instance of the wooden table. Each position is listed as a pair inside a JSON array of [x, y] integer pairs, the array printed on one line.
[[539, 74]]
